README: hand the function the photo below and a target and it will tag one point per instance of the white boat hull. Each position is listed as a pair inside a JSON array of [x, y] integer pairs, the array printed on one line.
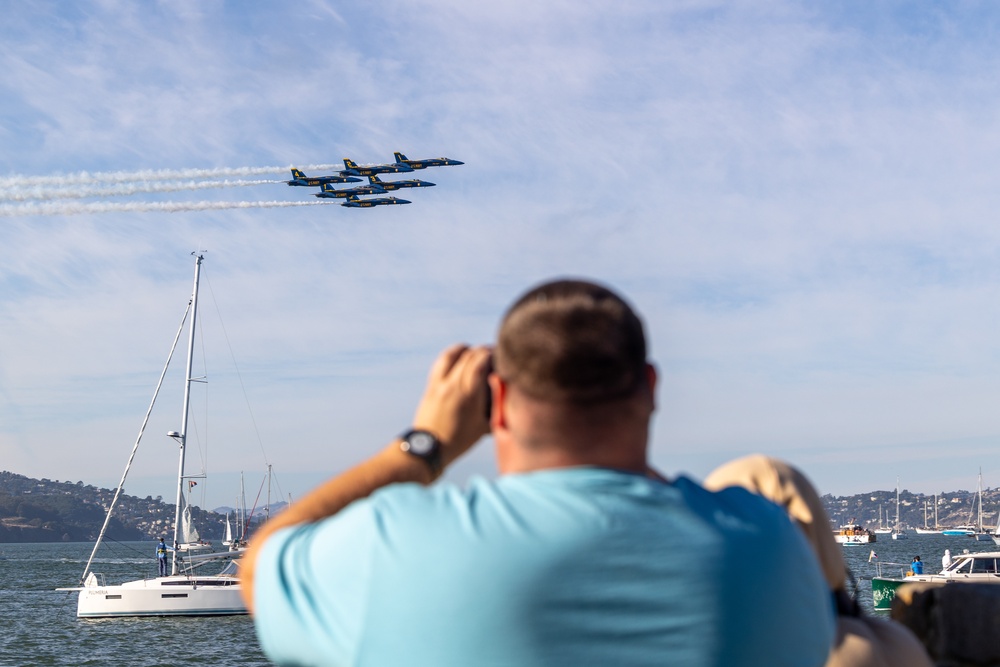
[[164, 596]]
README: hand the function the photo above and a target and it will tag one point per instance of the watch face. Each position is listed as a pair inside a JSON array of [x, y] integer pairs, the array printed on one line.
[[420, 443]]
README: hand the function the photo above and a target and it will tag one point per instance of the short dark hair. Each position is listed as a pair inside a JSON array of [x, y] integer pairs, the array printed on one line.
[[571, 341]]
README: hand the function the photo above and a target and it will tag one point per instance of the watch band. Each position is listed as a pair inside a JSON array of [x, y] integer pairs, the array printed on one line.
[[423, 445]]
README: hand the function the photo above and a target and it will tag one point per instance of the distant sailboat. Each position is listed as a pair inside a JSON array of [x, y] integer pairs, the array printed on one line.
[[897, 531], [982, 535], [971, 529], [882, 528], [930, 531], [228, 539]]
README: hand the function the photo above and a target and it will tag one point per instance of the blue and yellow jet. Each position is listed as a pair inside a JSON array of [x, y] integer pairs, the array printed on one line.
[[397, 185], [328, 192], [298, 178], [423, 164], [354, 202], [353, 169]]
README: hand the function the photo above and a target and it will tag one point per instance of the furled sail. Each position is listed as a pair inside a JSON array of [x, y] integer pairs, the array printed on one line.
[[189, 534]]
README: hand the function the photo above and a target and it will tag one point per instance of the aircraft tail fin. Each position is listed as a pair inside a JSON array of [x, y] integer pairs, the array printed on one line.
[[327, 187], [374, 180], [399, 157], [349, 163], [297, 175]]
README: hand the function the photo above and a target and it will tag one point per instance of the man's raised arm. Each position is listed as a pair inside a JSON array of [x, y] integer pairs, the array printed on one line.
[[452, 409]]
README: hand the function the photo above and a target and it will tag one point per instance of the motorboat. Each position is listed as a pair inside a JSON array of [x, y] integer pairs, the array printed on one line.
[[982, 567]]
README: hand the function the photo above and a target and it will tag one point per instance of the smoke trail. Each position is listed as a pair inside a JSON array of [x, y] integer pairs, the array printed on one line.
[[69, 208], [27, 193], [84, 178]]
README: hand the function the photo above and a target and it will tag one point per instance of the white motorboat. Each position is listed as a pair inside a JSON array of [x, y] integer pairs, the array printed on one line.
[[184, 592], [983, 568]]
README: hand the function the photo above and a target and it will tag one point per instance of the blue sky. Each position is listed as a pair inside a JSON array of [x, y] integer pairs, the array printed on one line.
[[799, 199]]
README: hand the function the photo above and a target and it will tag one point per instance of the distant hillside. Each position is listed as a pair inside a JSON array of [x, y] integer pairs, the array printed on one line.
[[953, 508], [43, 510]]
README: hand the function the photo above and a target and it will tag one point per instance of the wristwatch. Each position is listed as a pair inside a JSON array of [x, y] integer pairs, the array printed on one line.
[[423, 445]]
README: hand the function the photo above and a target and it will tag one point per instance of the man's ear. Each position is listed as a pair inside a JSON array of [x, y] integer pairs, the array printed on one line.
[[651, 378], [498, 396]]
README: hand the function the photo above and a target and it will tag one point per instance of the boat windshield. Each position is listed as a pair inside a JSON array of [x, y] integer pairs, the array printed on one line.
[[963, 565], [984, 566]]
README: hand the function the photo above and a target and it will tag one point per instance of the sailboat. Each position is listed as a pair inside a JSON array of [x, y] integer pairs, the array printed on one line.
[[982, 535], [971, 529], [882, 528], [930, 531], [184, 592], [228, 539], [996, 531], [897, 531]]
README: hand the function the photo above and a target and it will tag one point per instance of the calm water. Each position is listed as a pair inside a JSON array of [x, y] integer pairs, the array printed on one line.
[[930, 548], [38, 625]]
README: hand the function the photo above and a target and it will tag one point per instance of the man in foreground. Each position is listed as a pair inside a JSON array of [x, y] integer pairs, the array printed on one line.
[[577, 555]]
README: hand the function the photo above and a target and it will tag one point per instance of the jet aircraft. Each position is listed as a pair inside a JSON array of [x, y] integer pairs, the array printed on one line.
[[354, 202], [298, 178], [423, 164], [396, 185], [353, 169], [328, 192]]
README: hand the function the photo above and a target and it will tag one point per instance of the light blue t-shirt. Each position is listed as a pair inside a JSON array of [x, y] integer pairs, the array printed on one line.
[[579, 566]]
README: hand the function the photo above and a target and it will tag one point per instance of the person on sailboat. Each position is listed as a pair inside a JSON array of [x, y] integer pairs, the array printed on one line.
[[161, 556], [946, 559], [916, 567], [577, 554]]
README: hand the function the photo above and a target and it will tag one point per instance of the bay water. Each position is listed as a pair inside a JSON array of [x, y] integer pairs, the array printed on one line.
[[930, 548], [38, 625]]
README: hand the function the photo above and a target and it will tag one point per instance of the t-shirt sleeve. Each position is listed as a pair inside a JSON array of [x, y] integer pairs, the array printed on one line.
[[310, 589]]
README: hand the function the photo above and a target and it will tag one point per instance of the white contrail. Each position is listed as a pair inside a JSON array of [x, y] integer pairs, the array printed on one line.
[[83, 177], [71, 208], [43, 192]]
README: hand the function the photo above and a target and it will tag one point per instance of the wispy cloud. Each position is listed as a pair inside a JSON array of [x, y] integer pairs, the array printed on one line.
[[797, 197]]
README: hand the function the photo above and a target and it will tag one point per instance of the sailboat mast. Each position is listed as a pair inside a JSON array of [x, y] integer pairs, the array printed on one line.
[[243, 509], [267, 508], [182, 436], [897, 504], [979, 492]]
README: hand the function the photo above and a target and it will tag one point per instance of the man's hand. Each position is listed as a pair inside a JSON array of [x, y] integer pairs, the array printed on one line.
[[453, 407]]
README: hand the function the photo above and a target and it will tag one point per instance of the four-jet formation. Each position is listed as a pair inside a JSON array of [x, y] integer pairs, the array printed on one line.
[[357, 196]]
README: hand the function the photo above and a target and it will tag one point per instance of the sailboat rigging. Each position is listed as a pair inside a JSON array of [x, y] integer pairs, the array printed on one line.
[[897, 530], [182, 592]]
